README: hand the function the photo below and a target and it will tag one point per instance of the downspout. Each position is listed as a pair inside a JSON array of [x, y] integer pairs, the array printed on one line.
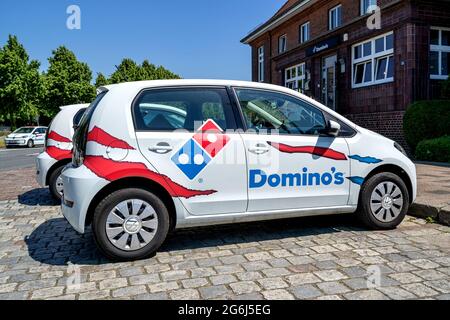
[[270, 56]]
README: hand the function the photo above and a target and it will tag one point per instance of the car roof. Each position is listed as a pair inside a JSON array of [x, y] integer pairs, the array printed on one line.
[[191, 82], [75, 106]]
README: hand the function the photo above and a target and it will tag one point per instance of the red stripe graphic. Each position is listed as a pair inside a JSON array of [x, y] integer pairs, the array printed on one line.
[[105, 139], [57, 137], [58, 154], [317, 151], [113, 170]]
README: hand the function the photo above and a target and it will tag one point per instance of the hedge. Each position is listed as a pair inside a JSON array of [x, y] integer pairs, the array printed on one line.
[[426, 120], [437, 150]]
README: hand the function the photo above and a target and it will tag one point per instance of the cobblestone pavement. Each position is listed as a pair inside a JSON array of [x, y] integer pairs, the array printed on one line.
[[307, 258]]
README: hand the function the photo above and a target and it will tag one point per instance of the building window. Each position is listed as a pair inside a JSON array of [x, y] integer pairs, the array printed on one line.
[[261, 64], [439, 53], [366, 4], [282, 44], [304, 33], [295, 77], [335, 17], [373, 61]]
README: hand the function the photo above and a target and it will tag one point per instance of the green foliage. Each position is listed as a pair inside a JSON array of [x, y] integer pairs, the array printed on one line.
[[20, 84], [128, 70], [67, 81], [26, 94], [437, 150], [426, 120], [101, 80]]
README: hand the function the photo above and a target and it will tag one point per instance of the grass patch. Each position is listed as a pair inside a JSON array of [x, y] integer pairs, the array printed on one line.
[[2, 142]]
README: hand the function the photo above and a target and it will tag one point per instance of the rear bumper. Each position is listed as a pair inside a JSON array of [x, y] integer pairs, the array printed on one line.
[[80, 187], [43, 164]]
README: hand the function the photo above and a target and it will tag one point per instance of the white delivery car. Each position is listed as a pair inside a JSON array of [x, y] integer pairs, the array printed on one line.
[[157, 155], [26, 137], [58, 148]]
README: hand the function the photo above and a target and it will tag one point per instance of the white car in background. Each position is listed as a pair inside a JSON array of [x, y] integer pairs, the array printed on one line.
[[58, 148], [26, 137], [158, 155]]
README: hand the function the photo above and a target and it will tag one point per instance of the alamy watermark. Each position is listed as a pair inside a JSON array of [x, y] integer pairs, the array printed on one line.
[[373, 277], [73, 21], [73, 282], [374, 20]]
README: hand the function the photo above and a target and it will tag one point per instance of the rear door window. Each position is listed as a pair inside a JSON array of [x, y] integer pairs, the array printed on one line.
[[182, 108]]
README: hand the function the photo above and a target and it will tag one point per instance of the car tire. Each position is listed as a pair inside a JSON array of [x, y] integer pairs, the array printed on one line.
[[30, 143], [384, 201], [54, 181], [115, 225]]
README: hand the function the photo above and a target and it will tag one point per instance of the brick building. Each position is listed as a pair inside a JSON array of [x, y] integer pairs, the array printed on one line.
[[340, 53]]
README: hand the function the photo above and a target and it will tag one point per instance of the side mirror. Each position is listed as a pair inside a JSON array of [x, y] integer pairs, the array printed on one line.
[[333, 128]]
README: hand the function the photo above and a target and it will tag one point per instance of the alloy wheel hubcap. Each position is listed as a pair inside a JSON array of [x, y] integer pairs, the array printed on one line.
[[386, 201], [59, 185], [131, 225]]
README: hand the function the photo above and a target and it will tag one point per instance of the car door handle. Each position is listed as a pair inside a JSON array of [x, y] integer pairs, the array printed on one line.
[[161, 148], [259, 149]]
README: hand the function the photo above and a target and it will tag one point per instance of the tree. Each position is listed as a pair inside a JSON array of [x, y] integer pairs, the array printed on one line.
[[126, 71], [129, 70], [67, 81], [20, 83], [101, 80], [150, 72]]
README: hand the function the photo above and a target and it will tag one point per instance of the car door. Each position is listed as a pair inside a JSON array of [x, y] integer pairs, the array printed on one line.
[[39, 136], [291, 164], [188, 135]]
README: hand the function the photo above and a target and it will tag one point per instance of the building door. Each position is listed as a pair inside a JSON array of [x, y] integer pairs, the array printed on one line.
[[329, 81]]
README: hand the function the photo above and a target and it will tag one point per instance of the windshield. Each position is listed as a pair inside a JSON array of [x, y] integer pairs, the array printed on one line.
[[80, 136], [24, 130]]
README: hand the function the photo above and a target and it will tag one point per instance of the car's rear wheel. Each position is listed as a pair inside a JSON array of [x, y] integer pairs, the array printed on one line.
[[56, 183], [30, 143], [384, 201], [130, 224]]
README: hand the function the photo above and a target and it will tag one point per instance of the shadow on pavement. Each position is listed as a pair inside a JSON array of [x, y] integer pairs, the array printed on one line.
[[41, 197], [56, 243]]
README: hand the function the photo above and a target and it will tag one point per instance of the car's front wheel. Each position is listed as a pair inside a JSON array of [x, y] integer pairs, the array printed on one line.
[[384, 201], [30, 143], [130, 224]]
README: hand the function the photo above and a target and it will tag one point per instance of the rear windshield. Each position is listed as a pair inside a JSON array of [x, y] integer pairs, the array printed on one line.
[[78, 116], [80, 135]]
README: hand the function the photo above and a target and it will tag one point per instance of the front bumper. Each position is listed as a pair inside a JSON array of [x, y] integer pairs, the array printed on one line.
[[80, 187], [15, 142], [43, 164]]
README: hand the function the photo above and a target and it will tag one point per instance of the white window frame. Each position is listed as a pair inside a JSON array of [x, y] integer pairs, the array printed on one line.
[[297, 77], [363, 7], [440, 49], [305, 27], [261, 64], [374, 58], [337, 22], [282, 49]]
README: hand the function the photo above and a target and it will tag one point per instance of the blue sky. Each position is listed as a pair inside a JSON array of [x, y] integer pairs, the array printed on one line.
[[194, 38]]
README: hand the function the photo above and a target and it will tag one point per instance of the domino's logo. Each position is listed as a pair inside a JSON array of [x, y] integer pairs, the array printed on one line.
[[201, 149]]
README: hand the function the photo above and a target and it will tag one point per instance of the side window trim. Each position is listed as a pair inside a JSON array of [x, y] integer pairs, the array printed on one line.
[[277, 92], [143, 91]]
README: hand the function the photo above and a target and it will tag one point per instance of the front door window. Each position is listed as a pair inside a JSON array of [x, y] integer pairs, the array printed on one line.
[[329, 82]]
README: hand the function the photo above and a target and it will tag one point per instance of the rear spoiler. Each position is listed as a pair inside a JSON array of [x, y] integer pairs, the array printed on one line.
[[101, 90]]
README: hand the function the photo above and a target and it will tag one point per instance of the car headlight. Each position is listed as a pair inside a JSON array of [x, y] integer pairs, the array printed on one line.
[[400, 148]]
